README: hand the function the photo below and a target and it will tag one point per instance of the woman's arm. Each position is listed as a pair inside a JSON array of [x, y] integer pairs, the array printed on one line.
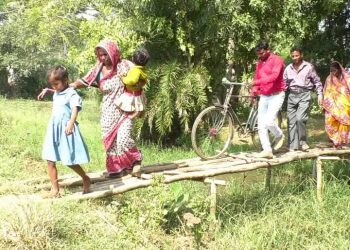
[[78, 84]]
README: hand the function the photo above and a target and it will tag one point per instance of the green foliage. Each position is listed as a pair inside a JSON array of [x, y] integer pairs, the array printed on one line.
[[175, 93], [194, 38]]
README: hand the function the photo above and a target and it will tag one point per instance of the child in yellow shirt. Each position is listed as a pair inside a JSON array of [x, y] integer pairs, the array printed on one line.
[[133, 100]]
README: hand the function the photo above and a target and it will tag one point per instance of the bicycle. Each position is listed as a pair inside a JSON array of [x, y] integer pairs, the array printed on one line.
[[214, 127]]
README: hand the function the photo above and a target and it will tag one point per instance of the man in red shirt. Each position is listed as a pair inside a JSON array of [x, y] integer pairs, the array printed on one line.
[[269, 85]]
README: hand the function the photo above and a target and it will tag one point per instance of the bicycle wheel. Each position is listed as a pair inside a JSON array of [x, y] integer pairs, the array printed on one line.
[[212, 132], [254, 129]]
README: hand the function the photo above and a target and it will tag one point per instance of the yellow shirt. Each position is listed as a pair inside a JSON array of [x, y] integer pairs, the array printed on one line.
[[135, 79]]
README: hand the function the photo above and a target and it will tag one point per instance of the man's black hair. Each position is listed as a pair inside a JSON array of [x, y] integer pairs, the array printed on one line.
[[262, 45], [295, 48]]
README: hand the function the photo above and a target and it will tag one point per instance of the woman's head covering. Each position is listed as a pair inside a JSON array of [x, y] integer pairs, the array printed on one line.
[[344, 74], [345, 78], [113, 52]]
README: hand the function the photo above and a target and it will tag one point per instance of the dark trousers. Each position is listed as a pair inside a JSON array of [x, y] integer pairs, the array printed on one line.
[[297, 114]]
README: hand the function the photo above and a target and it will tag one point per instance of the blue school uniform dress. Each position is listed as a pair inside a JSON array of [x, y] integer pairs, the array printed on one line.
[[69, 149]]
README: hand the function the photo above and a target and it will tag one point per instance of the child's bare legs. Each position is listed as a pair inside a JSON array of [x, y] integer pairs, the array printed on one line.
[[82, 174], [52, 170]]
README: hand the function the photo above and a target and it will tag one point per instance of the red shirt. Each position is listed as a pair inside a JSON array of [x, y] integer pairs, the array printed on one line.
[[268, 77]]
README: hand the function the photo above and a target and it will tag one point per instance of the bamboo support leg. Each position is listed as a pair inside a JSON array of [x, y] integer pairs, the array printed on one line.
[[213, 202], [213, 191], [268, 178], [319, 174], [314, 171], [319, 179]]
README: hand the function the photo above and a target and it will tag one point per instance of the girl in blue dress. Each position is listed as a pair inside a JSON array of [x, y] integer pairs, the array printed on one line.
[[63, 141]]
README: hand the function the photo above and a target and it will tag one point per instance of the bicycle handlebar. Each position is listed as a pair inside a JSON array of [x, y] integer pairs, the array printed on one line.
[[227, 82]]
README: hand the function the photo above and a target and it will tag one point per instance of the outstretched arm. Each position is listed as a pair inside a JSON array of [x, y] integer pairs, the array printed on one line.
[[43, 93], [78, 84]]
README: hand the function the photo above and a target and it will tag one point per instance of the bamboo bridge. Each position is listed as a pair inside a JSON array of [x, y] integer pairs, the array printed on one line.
[[198, 170]]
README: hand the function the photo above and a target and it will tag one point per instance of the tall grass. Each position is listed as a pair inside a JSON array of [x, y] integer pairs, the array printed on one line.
[[249, 217]]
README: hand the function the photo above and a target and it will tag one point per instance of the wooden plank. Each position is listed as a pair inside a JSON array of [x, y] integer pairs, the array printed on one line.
[[326, 157], [178, 164], [208, 166], [108, 192]]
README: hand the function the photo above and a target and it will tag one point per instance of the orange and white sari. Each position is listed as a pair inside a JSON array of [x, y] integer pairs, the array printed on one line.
[[337, 108]]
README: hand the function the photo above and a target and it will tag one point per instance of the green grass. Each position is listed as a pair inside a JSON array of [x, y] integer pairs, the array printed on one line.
[[249, 217]]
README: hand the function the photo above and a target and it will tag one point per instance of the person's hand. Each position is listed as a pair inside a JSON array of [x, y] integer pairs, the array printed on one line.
[[320, 100], [249, 84], [133, 115], [254, 101], [42, 94], [69, 128], [140, 84], [73, 85]]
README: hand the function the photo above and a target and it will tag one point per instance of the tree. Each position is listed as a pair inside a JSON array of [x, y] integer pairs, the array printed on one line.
[[190, 42]]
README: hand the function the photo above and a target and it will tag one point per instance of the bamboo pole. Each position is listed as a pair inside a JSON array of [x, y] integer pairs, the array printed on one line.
[[213, 205], [213, 200], [319, 179], [319, 174], [268, 178]]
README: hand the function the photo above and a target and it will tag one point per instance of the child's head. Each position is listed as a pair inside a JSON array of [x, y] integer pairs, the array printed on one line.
[[57, 76], [140, 57]]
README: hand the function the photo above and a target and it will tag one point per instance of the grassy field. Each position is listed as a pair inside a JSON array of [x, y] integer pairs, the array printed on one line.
[[249, 217]]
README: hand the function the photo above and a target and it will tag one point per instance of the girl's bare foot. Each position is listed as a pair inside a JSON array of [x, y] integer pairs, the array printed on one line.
[[54, 193], [86, 185]]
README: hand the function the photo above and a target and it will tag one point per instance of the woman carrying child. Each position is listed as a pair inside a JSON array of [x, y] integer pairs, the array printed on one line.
[[63, 141], [133, 100], [121, 150]]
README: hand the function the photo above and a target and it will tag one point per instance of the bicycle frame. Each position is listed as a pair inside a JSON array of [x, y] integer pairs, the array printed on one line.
[[247, 127], [215, 126]]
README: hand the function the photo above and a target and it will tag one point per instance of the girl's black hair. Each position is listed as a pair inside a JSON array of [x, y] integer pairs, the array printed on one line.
[[140, 57], [58, 72]]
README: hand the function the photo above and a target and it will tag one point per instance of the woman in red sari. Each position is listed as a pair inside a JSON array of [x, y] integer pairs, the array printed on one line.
[[337, 105], [122, 153]]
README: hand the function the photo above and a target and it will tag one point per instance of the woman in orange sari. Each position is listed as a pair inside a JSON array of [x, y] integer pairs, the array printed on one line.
[[337, 105]]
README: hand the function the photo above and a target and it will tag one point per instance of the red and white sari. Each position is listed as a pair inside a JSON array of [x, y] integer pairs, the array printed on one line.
[[120, 148]]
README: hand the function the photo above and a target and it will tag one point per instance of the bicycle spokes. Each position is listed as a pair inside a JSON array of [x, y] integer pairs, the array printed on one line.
[[212, 132]]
